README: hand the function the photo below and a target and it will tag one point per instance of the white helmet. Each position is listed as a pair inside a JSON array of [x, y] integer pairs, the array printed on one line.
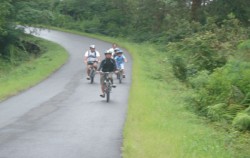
[[107, 52], [92, 46]]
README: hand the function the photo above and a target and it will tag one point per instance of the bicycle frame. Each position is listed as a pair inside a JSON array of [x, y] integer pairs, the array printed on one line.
[[120, 75], [92, 72], [107, 85]]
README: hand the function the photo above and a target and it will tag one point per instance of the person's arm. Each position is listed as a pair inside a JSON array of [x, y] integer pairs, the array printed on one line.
[[86, 57], [125, 59]]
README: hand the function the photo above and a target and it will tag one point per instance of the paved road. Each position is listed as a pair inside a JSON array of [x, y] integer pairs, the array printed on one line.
[[64, 117]]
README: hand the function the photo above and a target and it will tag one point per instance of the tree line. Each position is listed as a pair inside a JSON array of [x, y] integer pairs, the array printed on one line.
[[159, 21]]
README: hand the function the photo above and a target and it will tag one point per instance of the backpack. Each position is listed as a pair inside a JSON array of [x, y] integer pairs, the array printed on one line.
[[91, 55]]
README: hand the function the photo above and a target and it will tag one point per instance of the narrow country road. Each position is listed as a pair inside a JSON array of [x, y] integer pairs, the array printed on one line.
[[63, 116]]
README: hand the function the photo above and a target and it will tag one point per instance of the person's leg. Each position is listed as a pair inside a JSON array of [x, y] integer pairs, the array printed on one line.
[[102, 85], [95, 65], [123, 70], [111, 79], [102, 88], [88, 71]]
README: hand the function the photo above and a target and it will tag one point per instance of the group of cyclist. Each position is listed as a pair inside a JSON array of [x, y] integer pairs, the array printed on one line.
[[113, 61]]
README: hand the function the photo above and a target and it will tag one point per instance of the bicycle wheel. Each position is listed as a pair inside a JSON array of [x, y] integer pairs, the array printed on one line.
[[91, 80], [92, 75], [120, 78], [118, 75], [108, 90], [107, 96]]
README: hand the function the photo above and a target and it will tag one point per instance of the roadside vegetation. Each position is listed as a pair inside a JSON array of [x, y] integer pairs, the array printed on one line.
[[191, 90], [31, 69], [24, 60]]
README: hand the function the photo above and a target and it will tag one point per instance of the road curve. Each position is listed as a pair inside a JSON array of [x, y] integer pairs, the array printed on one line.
[[63, 116]]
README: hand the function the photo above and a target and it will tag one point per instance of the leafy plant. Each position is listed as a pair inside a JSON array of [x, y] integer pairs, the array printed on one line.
[[242, 121]]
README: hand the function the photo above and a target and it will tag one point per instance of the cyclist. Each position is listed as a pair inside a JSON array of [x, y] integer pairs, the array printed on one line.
[[107, 65], [91, 57], [120, 60]]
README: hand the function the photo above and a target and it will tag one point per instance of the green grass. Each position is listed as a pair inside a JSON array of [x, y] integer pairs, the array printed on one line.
[[30, 73], [158, 124]]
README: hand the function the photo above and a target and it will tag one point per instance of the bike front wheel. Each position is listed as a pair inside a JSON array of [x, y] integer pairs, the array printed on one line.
[[92, 76], [107, 96], [108, 90], [91, 79], [120, 78]]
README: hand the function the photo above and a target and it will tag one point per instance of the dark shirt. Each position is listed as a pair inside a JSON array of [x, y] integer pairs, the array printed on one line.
[[108, 65]]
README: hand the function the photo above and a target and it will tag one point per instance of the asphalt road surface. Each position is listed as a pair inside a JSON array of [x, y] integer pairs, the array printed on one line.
[[64, 116]]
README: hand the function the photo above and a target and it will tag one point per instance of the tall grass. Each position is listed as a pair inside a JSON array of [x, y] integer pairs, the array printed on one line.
[[30, 73]]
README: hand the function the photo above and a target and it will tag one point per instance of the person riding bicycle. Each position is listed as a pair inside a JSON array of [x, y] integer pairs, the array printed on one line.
[[91, 58], [120, 60], [107, 65]]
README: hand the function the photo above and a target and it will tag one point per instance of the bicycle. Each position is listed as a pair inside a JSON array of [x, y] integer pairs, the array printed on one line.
[[107, 84], [120, 75], [92, 72]]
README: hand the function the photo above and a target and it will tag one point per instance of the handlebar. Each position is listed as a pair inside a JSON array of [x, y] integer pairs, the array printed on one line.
[[105, 72]]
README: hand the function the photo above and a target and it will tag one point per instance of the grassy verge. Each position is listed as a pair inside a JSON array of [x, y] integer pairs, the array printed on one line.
[[30, 73], [158, 124]]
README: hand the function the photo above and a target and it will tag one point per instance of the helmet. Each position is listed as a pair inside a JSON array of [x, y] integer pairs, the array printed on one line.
[[107, 52], [116, 49], [92, 46], [120, 51]]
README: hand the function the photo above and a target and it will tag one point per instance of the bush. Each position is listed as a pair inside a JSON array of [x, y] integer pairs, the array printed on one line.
[[222, 94], [242, 121], [92, 25], [229, 85], [223, 111], [216, 112], [208, 49], [243, 51], [247, 110]]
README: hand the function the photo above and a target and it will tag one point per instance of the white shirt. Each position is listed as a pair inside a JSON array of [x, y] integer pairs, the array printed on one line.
[[92, 55]]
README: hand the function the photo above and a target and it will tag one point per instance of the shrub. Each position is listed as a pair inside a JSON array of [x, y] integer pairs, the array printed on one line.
[[242, 121], [243, 51], [207, 49], [247, 110], [224, 93], [92, 25], [216, 112]]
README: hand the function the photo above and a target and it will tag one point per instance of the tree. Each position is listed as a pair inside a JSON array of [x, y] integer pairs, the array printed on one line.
[[196, 6], [221, 8]]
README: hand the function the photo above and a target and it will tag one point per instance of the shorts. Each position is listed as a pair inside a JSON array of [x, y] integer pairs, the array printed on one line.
[[92, 62], [120, 66]]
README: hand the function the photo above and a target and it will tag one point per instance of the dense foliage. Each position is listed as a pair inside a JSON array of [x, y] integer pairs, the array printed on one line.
[[15, 46], [141, 20]]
